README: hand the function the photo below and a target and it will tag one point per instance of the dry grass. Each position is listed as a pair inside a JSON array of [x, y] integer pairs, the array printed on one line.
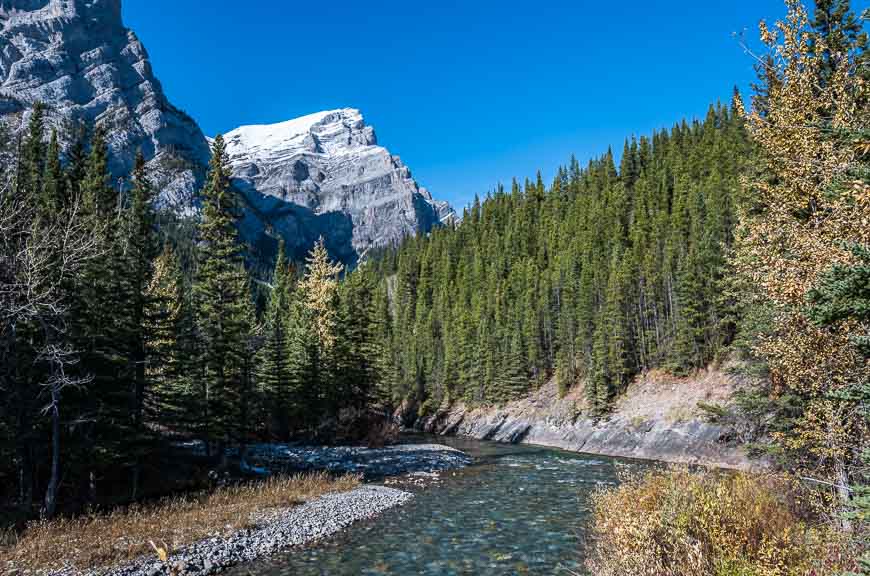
[[102, 540], [683, 523]]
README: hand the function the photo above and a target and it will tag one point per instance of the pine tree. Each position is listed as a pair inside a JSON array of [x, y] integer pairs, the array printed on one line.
[[841, 33], [77, 159], [33, 157], [169, 396], [99, 325], [360, 347], [53, 197], [606, 273], [275, 370], [138, 246], [222, 296]]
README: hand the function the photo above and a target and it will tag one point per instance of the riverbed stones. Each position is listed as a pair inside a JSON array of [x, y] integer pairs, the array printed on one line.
[[370, 462], [303, 524]]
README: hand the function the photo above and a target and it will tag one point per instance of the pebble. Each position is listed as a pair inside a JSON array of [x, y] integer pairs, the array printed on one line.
[[303, 524], [314, 520]]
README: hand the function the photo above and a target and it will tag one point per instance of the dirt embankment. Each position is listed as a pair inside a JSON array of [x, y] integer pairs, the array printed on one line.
[[658, 418]]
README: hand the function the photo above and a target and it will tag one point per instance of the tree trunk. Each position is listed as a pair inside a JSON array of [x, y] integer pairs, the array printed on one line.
[[54, 481], [138, 416], [92, 487]]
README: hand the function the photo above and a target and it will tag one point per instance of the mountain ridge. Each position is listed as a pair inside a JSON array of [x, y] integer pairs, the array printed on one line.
[[330, 161], [78, 58]]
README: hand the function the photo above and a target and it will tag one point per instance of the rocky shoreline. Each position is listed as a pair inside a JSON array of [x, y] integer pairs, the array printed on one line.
[[657, 419], [276, 530]]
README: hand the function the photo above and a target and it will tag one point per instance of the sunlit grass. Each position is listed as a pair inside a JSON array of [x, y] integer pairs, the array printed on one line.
[[101, 540]]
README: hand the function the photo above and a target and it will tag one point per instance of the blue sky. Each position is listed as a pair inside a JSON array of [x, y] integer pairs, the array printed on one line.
[[468, 93]]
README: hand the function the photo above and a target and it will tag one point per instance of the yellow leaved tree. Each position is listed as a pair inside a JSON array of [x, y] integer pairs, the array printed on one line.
[[807, 201]]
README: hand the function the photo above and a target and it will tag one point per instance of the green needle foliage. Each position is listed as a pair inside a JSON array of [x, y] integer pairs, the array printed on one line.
[[609, 271]]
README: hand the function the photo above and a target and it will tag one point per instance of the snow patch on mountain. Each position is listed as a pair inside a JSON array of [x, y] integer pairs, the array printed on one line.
[[329, 162]]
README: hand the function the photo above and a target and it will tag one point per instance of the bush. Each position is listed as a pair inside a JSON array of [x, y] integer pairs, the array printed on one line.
[[682, 523]]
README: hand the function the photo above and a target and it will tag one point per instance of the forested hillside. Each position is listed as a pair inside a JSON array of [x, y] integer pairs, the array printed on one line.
[[607, 271], [114, 348]]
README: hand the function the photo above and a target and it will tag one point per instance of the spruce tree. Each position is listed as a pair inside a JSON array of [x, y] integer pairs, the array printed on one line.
[[53, 197], [170, 396], [33, 157], [138, 245], [222, 296], [275, 371], [841, 32]]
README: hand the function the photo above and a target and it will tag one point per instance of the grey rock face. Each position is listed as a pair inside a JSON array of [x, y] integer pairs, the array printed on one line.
[[655, 420], [329, 163], [77, 58], [320, 175]]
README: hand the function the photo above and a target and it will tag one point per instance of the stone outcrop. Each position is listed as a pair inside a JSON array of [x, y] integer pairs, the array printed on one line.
[[341, 184], [657, 419], [77, 57]]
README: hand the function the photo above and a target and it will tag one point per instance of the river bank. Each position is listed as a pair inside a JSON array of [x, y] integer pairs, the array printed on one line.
[[205, 534], [274, 531], [658, 418]]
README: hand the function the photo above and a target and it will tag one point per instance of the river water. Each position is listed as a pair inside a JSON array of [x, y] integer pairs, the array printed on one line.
[[516, 510]]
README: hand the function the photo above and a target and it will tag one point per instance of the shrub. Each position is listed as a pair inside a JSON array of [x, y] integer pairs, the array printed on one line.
[[682, 523]]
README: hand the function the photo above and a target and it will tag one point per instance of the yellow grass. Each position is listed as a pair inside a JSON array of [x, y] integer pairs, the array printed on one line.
[[683, 523], [101, 540]]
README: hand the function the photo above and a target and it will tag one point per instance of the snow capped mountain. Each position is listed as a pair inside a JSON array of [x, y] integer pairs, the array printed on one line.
[[322, 174], [330, 162]]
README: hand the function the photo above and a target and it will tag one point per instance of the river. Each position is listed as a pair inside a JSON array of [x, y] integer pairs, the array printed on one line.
[[516, 510]]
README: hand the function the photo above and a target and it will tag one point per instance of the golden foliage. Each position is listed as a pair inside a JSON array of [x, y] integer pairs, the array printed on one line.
[[320, 287], [682, 523], [802, 209]]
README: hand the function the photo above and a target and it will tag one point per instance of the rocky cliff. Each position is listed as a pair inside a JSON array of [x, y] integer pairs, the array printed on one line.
[[329, 163], [657, 419], [323, 174], [77, 57]]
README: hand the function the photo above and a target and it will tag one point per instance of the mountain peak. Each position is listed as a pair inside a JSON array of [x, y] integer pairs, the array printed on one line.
[[330, 163], [295, 127], [321, 174], [327, 132]]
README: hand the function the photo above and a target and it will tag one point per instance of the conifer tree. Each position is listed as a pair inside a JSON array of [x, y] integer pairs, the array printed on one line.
[[33, 157], [319, 317], [275, 370], [606, 273], [838, 34], [138, 246], [222, 296], [53, 198], [169, 397]]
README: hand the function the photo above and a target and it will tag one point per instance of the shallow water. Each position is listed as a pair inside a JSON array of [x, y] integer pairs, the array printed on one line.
[[516, 510]]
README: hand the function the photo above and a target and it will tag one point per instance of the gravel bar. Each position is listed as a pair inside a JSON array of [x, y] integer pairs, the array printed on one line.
[[275, 531], [372, 463]]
